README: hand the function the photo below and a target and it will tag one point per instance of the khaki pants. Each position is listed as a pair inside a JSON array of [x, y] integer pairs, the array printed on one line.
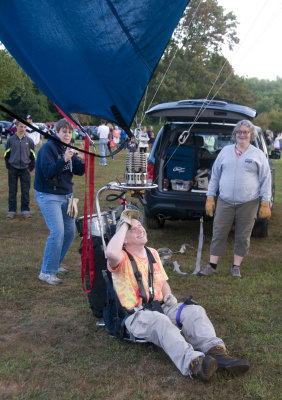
[[243, 215], [198, 332]]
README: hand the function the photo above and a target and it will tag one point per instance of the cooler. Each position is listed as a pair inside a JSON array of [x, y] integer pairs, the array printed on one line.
[[181, 162]]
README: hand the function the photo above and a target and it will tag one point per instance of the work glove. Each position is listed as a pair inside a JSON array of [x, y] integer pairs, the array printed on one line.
[[264, 211], [72, 210], [210, 206], [170, 300], [126, 216]]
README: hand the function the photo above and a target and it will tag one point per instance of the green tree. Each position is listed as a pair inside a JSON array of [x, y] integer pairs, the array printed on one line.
[[275, 118], [20, 94], [193, 53]]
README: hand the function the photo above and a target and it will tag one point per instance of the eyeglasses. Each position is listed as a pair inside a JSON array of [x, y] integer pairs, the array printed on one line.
[[245, 133]]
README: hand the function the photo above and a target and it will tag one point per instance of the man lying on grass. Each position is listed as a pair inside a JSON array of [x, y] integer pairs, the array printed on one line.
[[198, 352]]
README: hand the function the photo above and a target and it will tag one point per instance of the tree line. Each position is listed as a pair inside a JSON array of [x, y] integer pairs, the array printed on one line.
[[191, 67]]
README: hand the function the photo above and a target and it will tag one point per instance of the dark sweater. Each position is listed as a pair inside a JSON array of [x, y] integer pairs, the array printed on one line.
[[52, 173]]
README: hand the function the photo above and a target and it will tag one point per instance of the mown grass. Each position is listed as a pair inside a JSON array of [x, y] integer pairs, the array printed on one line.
[[50, 347]]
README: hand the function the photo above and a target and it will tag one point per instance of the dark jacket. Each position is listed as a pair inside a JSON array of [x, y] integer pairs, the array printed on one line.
[[19, 153], [52, 173]]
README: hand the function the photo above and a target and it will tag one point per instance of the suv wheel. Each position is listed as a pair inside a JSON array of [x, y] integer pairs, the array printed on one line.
[[154, 223], [260, 229]]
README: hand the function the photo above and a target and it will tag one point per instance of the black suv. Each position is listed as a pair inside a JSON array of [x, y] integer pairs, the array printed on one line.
[[183, 153]]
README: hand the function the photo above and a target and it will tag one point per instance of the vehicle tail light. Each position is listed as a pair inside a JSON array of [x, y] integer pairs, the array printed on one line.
[[150, 170]]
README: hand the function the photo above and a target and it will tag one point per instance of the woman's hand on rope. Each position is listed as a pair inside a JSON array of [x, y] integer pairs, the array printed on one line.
[[81, 155]]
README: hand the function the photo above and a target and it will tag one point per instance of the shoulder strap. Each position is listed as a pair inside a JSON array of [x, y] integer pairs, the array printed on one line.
[[151, 260], [138, 275]]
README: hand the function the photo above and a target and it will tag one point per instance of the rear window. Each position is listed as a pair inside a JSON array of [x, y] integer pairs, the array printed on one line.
[[211, 141], [215, 141]]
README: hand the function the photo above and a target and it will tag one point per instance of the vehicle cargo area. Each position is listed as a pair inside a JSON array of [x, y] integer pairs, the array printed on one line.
[[188, 160]]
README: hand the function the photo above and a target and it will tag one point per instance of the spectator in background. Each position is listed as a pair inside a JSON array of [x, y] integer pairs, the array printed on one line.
[[242, 176], [20, 159], [111, 144], [143, 140], [269, 139], [55, 166], [116, 136], [73, 136], [278, 141], [49, 130], [12, 128], [103, 133], [31, 133], [132, 145], [123, 136], [151, 138]]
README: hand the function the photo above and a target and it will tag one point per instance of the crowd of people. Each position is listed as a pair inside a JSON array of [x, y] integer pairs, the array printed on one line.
[[112, 137], [238, 188]]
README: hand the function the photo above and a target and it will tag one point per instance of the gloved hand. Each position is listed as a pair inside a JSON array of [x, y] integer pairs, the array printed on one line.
[[264, 211], [126, 216], [210, 206], [170, 300], [72, 210]]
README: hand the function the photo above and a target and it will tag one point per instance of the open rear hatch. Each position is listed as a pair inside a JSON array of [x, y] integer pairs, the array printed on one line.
[[202, 111]]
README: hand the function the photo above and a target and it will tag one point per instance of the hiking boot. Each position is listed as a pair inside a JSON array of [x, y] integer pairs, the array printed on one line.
[[203, 367], [207, 270], [62, 271], [235, 271], [233, 365], [49, 278]]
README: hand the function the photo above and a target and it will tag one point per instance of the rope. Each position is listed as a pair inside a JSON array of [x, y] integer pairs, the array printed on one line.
[[207, 101], [168, 68]]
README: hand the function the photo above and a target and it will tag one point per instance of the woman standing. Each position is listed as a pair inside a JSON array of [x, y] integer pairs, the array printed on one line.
[[53, 186], [151, 138], [143, 140], [242, 176]]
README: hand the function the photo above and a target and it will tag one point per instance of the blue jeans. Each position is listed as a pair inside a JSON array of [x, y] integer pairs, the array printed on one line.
[[103, 151], [61, 226]]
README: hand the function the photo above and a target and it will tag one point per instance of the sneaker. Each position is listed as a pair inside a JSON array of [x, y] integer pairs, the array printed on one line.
[[26, 215], [207, 270], [235, 366], [49, 278], [235, 271], [203, 367], [62, 271], [10, 216]]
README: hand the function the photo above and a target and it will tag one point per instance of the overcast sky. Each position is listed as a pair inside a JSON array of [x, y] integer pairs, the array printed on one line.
[[259, 53]]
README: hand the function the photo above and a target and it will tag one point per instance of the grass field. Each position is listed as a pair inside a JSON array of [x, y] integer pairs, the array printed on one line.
[[50, 347]]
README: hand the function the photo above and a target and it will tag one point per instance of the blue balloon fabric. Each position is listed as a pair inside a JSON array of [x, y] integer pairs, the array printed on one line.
[[90, 55]]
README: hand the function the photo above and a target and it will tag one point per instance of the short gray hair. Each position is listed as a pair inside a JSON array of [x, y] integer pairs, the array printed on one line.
[[246, 122], [63, 123]]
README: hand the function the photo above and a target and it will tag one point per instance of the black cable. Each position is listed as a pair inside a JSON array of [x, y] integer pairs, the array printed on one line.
[[113, 196], [56, 139]]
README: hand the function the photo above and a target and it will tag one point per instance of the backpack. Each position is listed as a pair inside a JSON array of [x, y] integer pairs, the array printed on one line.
[[97, 295], [113, 313]]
